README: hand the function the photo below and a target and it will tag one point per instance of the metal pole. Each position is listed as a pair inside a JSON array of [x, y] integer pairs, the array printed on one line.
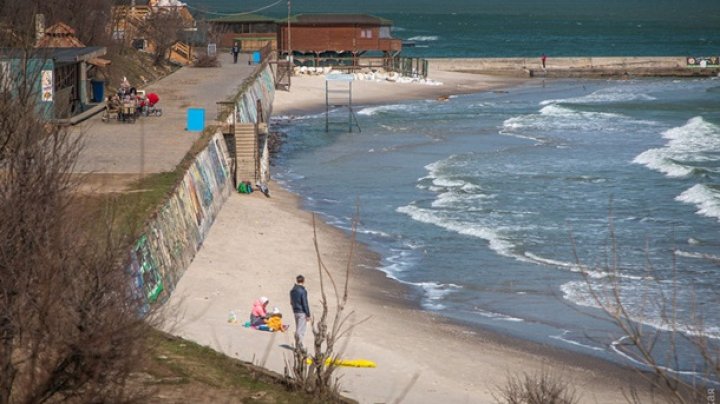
[[350, 107], [327, 108], [289, 35]]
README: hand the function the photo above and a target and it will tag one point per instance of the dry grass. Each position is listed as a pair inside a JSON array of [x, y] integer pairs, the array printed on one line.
[[539, 388]]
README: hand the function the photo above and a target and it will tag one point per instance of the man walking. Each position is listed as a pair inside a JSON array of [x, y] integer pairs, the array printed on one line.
[[301, 309], [235, 52]]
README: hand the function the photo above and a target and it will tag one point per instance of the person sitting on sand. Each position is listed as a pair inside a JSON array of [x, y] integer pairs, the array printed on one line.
[[259, 314]]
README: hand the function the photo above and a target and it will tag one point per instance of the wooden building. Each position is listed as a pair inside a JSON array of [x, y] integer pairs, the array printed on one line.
[[251, 31], [340, 35], [58, 77]]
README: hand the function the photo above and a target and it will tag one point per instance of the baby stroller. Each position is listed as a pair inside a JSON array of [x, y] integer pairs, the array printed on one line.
[[148, 106]]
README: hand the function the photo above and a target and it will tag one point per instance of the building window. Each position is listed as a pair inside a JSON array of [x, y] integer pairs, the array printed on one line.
[[366, 33]]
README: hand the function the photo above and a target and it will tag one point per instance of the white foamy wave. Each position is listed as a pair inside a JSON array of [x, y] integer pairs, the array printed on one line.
[[457, 200], [615, 346], [497, 316], [688, 254], [559, 117], [424, 38], [686, 143], [603, 97], [399, 262], [564, 338], [495, 241], [573, 267], [641, 312], [279, 119], [436, 291], [370, 111], [706, 200], [448, 183]]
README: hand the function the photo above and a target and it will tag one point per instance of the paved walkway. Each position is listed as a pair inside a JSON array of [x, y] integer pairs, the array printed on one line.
[[153, 144]]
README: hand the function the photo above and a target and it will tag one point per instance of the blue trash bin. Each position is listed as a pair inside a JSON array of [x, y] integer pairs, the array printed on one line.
[[256, 57], [98, 90], [195, 119]]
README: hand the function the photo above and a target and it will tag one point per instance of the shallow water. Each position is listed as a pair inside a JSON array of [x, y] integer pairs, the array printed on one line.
[[492, 204]]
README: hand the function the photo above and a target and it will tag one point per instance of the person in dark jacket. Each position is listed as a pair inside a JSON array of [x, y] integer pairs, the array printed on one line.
[[301, 309], [235, 51]]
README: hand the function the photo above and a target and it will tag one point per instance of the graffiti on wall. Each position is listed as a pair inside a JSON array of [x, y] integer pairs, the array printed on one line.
[[171, 240], [161, 255], [263, 90]]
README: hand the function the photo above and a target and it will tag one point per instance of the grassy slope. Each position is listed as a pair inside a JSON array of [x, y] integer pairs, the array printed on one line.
[[176, 370]]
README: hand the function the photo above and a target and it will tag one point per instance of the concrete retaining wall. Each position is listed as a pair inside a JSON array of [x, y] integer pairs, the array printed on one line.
[[262, 89], [161, 255], [172, 238]]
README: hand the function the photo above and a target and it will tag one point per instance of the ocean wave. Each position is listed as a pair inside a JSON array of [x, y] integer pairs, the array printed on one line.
[[688, 254], [424, 38], [642, 364], [687, 144], [434, 292], [280, 119], [496, 316], [559, 117], [458, 200], [495, 241], [563, 337], [642, 312], [370, 111], [704, 198], [583, 269], [604, 96], [447, 182]]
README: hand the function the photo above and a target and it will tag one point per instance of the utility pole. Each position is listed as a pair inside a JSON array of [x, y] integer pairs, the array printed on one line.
[[289, 34]]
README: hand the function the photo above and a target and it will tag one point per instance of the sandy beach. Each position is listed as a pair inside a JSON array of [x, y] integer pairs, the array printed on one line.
[[258, 245]]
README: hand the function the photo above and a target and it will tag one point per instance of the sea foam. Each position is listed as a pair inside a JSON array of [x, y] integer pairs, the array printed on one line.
[[686, 144], [706, 199]]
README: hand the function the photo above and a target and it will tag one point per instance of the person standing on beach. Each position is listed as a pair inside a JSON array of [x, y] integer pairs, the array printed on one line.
[[235, 52], [301, 309], [543, 58]]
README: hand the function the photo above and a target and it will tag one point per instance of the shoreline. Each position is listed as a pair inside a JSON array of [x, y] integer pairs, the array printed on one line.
[[386, 293]]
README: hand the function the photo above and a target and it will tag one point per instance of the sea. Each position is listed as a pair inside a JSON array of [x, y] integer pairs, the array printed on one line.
[[535, 210]]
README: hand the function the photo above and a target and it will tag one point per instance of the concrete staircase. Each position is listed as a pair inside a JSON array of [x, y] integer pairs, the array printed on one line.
[[246, 152]]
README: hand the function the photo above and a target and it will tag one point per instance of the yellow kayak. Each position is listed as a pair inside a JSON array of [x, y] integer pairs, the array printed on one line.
[[355, 363]]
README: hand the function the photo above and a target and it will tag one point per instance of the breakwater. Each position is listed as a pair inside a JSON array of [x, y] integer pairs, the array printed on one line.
[[575, 66]]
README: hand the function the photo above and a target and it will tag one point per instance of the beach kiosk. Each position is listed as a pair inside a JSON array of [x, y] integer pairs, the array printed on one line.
[[58, 77]]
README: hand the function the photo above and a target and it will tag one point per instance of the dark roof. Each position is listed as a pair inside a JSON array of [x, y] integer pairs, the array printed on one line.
[[242, 17], [62, 55], [337, 19]]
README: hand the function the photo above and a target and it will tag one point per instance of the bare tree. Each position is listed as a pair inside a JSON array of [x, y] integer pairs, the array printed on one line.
[[315, 373], [539, 388], [89, 18], [657, 350], [70, 318], [162, 29]]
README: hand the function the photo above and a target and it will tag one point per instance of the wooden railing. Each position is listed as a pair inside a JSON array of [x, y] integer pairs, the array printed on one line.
[[410, 67]]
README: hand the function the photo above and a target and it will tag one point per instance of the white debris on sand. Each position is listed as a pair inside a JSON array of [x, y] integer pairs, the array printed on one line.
[[376, 75]]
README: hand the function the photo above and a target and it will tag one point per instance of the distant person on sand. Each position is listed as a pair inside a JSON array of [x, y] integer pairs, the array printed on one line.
[[235, 52], [259, 314], [301, 309], [543, 58]]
